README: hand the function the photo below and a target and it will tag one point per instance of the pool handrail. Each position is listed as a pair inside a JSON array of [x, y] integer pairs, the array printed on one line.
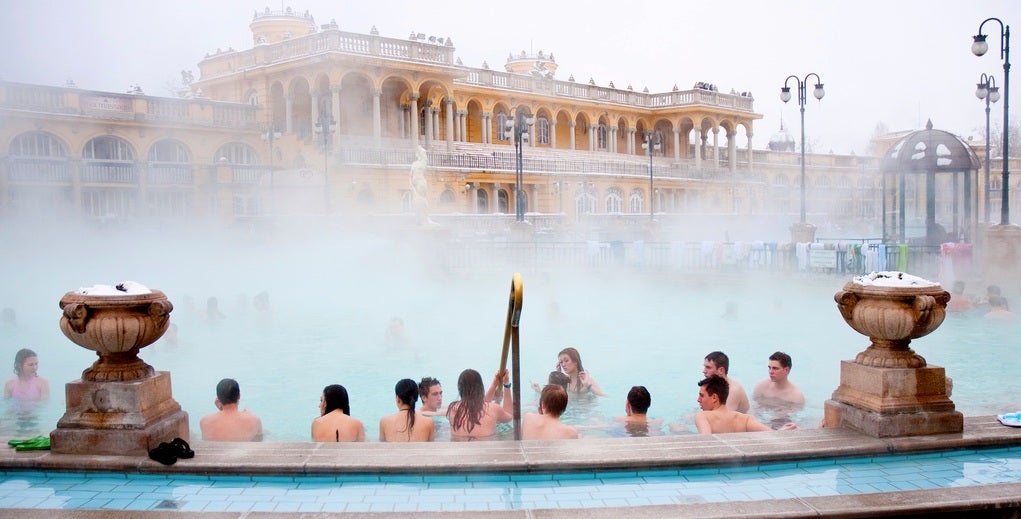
[[511, 338]]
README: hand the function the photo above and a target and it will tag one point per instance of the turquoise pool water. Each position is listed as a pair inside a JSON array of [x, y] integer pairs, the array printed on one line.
[[411, 493], [332, 300]]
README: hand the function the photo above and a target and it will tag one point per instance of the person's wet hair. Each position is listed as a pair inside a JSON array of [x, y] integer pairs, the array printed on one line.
[[336, 397], [640, 399], [720, 359], [560, 379], [407, 391], [575, 357], [783, 358], [716, 385], [228, 391], [472, 405], [554, 400], [20, 358], [425, 385]]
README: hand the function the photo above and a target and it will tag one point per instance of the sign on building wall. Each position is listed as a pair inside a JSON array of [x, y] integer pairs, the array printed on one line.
[[106, 104]]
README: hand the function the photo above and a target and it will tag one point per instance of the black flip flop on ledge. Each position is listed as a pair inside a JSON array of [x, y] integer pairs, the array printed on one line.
[[168, 453]]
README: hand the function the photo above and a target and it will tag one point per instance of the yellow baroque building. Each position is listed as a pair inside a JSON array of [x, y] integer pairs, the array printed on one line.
[[312, 121]]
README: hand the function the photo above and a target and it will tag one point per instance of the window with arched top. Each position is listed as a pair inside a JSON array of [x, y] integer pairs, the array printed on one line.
[[447, 197], [614, 201], [601, 136], [108, 148], [542, 128], [502, 203], [169, 150], [501, 126], [637, 201], [585, 202], [37, 144], [482, 201], [236, 153]]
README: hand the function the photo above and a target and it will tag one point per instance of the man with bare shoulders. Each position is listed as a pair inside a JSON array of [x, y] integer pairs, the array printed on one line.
[[546, 424], [636, 420], [715, 417], [229, 424], [431, 392], [777, 390], [717, 363]]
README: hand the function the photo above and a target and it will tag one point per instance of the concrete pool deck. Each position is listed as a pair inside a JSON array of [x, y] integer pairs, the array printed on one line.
[[606, 454]]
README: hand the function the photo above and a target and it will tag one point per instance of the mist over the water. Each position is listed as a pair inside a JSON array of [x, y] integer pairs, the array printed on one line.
[[333, 293]]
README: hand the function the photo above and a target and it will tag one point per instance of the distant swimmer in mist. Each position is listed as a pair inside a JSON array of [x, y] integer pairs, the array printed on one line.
[[394, 335], [213, 310], [26, 384]]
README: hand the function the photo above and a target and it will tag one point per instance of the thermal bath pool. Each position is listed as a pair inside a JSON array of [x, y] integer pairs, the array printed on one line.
[[329, 312]]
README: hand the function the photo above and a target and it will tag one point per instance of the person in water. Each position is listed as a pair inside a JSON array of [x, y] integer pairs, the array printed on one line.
[[546, 424], [335, 423], [715, 417], [636, 419], [569, 362], [718, 363], [229, 423], [474, 417], [26, 385], [406, 425]]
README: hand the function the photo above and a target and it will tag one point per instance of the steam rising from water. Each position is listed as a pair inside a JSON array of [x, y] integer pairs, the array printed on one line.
[[332, 294]]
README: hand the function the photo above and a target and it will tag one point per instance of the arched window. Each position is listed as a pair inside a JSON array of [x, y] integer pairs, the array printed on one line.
[[585, 202], [614, 201], [37, 144], [447, 197], [365, 197], [482, 201], [637, 201], [236, 153], [501, 126], [601, 134], [542, 127], [169, 150], [108, 148], [502, 204]]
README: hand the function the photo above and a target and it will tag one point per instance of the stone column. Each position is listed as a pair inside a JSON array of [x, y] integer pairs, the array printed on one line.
[[716, 147], [335, 113], [414, 119], [732, 150], [427, 120], [750, 155], [289, 114], [402, 123], [377, 118], [698, 148], [487, 128], [573, 138], [448, 103], [677, 144], [553, 133]]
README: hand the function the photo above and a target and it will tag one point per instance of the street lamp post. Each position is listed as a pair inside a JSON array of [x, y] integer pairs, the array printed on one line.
[[517, 129], [785, 95], [651, 144], [326, 124], [987, 90], [979, 47]]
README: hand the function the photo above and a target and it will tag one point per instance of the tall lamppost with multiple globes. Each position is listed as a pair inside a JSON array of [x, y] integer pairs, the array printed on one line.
[[979, 47], [785, 95], [325, 127], [651, 143], [987, 90], [517, 129]]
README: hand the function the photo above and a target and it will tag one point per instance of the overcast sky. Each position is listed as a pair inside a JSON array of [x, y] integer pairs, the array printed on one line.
[[896, 62]]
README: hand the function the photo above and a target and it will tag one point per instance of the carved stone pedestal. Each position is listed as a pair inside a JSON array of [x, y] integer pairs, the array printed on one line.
[[886, 402], [122, 418]]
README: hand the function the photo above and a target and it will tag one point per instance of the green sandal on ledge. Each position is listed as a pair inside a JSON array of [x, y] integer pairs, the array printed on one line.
[[39, 443]]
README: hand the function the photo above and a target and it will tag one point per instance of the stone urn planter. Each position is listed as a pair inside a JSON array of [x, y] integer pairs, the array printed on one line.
[[116, 327], [888, 389], [121, 405], [891, 309]]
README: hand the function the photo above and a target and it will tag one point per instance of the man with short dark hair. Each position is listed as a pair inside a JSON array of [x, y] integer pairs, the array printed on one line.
[[777, 390], [717, 363], [230, 424], [431, 393], [715, 417], [637, 421]]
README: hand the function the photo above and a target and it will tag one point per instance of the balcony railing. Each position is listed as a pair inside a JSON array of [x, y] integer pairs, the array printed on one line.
[[40, 170], [167, 174], [107, 173]]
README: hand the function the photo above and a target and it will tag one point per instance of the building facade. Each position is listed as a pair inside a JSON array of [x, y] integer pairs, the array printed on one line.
[[312, 120]]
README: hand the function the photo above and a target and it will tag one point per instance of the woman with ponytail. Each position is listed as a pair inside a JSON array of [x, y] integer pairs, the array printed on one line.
[[406, 425]]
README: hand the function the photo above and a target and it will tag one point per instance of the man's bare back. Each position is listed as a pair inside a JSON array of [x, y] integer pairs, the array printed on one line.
[[229, 424], [723, 420], [535, 426]]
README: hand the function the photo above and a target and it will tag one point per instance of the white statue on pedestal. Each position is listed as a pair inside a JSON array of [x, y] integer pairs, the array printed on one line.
[[419, 187]]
